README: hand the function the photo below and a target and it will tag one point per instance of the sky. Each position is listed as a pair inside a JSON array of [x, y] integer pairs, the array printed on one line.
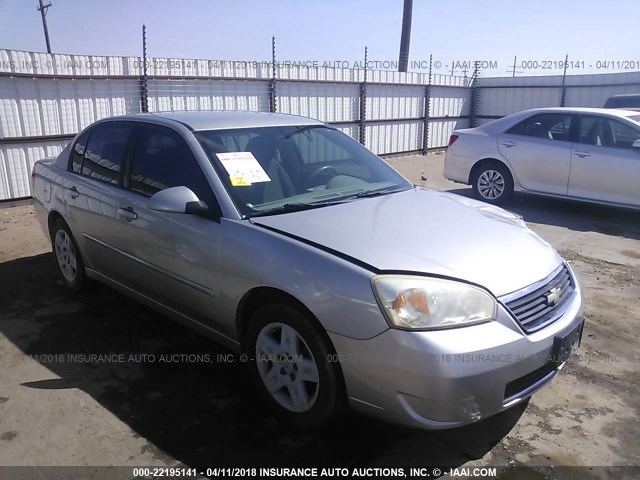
[[598, 36]]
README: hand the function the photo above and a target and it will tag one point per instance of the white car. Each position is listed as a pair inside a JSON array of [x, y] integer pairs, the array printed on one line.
[[587, 154]]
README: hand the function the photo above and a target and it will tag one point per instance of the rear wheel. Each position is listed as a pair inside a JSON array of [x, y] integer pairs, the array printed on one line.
[[292, 368], [492, 182], [70, 265]]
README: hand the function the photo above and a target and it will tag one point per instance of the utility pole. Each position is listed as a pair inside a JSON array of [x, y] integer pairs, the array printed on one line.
[[406, 36], [513, 70], [43, 12], [563, 92]]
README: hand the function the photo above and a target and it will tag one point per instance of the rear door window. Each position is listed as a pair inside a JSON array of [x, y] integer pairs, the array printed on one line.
[[105, 152], [550, 126]]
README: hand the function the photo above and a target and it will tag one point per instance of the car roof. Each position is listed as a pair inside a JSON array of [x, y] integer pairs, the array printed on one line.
[[501, 124], [225, 120], [626, 95], [604, 111]]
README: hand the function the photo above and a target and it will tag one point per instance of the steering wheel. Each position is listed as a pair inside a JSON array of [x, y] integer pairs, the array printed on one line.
[[325, 170]]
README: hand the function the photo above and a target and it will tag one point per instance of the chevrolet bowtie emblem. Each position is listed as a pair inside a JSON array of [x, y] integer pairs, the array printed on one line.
[[553, 297]]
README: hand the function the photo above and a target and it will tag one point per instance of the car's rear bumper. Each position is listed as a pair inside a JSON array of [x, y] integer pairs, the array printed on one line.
[[457, 168], [449, 378], [42, 215]]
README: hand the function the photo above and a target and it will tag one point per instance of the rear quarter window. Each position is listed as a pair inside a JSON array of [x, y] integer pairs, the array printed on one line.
[[77, 153]]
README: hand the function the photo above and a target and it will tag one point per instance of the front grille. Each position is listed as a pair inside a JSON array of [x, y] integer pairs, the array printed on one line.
[[536, 309], [521, 384]]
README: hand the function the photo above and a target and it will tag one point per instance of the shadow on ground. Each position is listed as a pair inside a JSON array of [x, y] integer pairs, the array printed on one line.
[[196, 412], [576, 216]]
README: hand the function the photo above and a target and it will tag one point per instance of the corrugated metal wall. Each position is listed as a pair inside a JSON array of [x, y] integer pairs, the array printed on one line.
[[194, 95], [328, 102], [46, 99], [505, 95]]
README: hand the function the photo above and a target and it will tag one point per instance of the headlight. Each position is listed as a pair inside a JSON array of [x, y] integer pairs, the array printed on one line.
[[413, 302]]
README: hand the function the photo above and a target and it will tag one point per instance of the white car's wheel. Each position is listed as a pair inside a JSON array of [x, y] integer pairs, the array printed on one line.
[[292, 367], [67, 256], [492, 183]]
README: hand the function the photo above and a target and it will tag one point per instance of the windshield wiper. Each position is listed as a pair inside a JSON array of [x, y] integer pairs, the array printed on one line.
[[376, 193], [287, 208], [302, 129]]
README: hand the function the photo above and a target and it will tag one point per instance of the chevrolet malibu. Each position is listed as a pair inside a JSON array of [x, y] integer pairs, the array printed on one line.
[[282, 238], [585, 154]]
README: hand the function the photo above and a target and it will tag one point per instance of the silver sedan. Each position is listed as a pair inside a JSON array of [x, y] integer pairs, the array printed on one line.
[[342, 283], [586, 154]]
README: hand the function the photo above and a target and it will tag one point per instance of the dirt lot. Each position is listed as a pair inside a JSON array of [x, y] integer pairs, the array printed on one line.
[[60, 407]]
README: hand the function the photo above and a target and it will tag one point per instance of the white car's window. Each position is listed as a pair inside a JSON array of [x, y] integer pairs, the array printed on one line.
[[103, 156], [162, 159], [301, 165], [606, 132], [550, 126]]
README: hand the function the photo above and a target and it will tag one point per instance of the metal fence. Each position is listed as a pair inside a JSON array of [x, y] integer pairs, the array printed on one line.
[[502, 96], [46, 99]]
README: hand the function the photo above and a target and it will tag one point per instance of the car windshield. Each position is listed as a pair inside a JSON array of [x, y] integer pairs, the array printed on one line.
[[271, 170], [635, 118]]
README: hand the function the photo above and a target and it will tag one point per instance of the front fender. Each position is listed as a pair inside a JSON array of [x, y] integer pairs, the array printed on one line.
[[337, 292]]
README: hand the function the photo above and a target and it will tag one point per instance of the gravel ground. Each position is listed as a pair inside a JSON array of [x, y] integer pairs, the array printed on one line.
[[58, 406]]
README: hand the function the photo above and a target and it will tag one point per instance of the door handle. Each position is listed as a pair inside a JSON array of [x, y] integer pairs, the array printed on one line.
[[582, 154], [509, 143], [128, 214], [73, 192]]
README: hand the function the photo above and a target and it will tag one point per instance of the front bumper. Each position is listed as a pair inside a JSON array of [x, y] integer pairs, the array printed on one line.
[[449, 378]]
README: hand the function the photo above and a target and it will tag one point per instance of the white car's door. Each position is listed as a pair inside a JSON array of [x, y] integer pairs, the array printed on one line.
[[539, 151], [604, 164]]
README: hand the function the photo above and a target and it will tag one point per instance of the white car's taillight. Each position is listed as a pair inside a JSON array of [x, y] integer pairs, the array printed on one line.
[[452, 139]]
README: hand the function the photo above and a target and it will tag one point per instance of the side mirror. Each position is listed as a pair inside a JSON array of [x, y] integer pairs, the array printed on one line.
[[636, 144], [178, 200]]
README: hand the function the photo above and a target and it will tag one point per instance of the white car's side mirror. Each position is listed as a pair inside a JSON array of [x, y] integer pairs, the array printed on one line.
[[636, 144], [177, 200]]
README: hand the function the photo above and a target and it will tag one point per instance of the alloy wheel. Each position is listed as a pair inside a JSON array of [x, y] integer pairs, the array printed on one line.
[[287, 367], [66, 255], [491, 184]]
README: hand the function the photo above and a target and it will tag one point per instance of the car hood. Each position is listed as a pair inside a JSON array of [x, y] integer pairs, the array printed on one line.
[[427, 231]]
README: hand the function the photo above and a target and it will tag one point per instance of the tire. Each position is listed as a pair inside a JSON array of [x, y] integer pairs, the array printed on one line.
[[492, 182], [67, 256], [305, 388]]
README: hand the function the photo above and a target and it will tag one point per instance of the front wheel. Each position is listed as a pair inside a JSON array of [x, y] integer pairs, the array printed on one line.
[[292, 368], [492, 183]]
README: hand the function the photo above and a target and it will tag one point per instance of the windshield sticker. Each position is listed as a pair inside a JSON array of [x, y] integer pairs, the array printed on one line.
[[243, 168], [239, 182]]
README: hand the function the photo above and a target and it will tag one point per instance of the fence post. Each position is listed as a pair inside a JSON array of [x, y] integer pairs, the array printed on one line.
[[273, 106], [475, 96], [427, 111], [363, 103], [563, 91], [144, 100]]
